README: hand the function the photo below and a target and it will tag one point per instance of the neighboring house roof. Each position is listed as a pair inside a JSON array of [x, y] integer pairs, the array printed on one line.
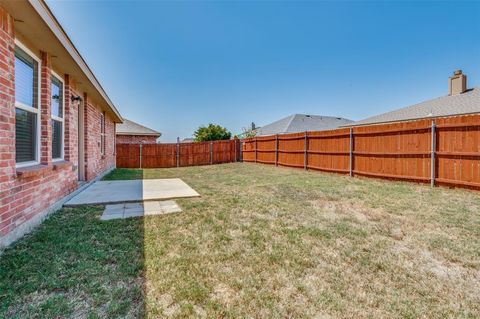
[[131, 128], [464, 103], [188, 140], [302, 122]]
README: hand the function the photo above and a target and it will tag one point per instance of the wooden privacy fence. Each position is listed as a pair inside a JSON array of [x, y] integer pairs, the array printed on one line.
[[440, 151], [177, 154]]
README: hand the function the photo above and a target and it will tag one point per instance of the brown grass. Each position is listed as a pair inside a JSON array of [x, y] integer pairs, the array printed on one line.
[[273, 242], [261, 242]]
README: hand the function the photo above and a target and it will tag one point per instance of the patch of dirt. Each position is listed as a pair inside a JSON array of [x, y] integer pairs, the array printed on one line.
[[223, 294], [396, 233]]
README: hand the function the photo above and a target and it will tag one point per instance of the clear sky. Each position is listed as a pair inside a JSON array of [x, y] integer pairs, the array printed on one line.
[[173, 66]]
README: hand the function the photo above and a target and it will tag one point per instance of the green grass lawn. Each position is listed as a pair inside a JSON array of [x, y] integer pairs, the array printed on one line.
[[261, 242]]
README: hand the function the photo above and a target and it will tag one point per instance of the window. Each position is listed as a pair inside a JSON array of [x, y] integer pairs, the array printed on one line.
[[102, 133], [57, 117], [26, 107]]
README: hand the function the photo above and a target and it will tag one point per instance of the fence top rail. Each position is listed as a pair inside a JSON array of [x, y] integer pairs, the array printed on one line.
[[458, 125], [312, 136], [392, 131]]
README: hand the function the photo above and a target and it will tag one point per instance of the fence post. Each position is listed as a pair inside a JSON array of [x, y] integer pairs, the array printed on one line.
[[255, 149], [211, 153], [432, 157], [276, 149], [235, 149], [140, 155], [305, 154], [178, 154], [351, 153], [240, 147]]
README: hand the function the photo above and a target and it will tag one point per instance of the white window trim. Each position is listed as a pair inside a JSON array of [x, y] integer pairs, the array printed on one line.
[[60, 119], [32, 109], [103, 134]]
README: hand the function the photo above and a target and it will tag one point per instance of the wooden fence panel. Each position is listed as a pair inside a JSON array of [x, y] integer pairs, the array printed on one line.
[[173, 155], [223, 151], [458, 151], [400, 150], [248, 150], [128, 155], [158, 155], [266, 146], [329, 150], [192, 154], [291, 150]]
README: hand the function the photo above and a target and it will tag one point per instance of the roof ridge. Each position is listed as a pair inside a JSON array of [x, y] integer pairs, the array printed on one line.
[[293, 116]]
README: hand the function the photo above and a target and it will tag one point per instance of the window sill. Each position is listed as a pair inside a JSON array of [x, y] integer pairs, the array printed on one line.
[[38, 169], [33, 170], [60, 164]]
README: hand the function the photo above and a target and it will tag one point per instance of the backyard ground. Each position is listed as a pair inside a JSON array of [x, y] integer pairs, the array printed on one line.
[[261, 242]]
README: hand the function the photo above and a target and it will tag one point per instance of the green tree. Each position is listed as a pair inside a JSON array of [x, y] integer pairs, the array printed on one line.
[[212, 132]]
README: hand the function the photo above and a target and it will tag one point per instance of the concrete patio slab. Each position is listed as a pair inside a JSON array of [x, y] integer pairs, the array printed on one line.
[[128, 210], [126, 191]]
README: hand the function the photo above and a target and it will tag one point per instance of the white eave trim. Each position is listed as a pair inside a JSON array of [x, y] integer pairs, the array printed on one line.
[[46, 15]]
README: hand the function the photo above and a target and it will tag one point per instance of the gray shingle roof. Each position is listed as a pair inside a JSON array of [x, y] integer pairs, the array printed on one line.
[[131, 128], [296, 123], [465, 103]]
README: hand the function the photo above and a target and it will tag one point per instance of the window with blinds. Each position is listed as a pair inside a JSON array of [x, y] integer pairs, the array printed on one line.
[[57, 117], [26, 107]]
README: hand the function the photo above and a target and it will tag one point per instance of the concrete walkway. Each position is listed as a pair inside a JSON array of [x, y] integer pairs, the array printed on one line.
[[126, 191]]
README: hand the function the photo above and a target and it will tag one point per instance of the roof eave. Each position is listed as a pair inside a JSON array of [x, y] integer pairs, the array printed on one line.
[[47, 16], [139, 134], [411, 119]]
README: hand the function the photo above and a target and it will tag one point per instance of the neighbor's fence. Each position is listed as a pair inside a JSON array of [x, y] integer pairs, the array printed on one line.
[[442, 151], [177, 154]]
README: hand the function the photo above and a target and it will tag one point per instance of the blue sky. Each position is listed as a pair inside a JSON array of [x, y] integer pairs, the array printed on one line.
[[173, 66]]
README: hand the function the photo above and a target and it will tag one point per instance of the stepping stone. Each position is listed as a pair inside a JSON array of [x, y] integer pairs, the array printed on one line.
[[148, 208]]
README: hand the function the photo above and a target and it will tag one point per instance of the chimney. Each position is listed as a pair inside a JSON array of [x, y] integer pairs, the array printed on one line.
[[457, 83]]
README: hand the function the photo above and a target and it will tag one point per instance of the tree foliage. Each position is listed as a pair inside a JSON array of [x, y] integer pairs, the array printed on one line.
[[212, 132]]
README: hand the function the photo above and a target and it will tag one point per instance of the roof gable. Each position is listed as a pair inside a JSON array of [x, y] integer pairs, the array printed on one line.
[[131, 128]]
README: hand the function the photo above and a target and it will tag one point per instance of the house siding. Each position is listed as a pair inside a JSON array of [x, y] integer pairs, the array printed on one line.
[[136, 139], [27, 195]]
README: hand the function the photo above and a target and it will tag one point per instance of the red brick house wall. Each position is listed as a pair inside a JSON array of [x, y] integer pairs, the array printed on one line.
[[28, 194], [136, 139], [95, 161]]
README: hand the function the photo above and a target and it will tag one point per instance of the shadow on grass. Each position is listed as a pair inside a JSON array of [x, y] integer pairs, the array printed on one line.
[[75, 265]]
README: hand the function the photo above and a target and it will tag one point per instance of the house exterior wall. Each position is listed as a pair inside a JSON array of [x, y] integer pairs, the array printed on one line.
[[136, 139], [28, 194], [95, 161]]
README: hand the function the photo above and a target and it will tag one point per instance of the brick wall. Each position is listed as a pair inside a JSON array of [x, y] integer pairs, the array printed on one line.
[[136, 139], [27, 194], [95, 162], [7, 118]]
